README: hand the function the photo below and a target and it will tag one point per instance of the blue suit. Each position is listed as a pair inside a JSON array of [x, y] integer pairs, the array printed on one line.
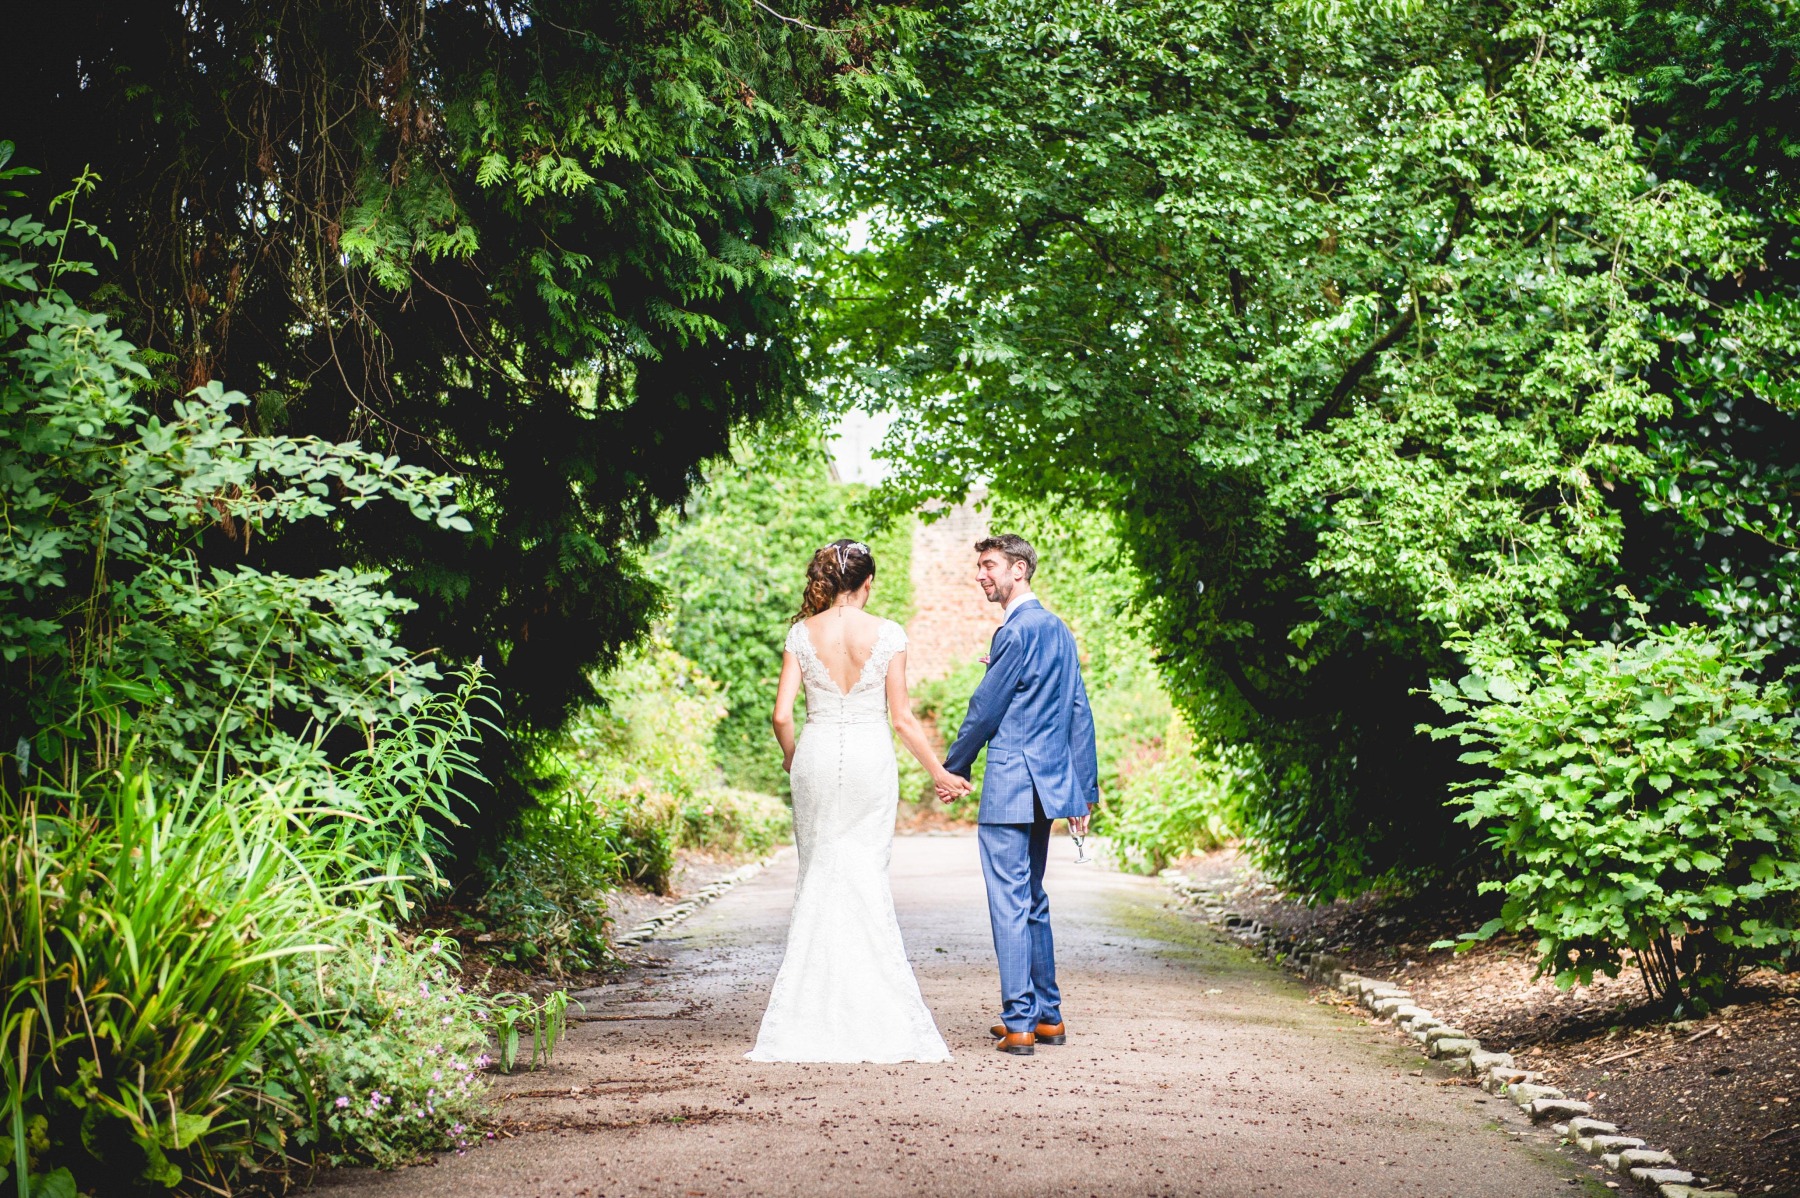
[[1031, 712]]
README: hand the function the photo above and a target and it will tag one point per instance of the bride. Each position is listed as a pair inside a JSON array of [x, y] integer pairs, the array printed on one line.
[[845, 991]]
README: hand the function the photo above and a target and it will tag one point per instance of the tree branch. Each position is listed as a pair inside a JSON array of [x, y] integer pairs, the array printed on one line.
[[1365, 362], [1263, 703]]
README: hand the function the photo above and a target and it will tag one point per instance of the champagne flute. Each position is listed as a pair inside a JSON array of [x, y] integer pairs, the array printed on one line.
[[1080, 839]]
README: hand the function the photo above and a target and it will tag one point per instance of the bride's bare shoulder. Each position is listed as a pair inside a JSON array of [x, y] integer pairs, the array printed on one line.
[[845, 617]]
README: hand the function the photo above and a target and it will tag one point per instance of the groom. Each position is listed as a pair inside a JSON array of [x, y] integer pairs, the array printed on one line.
[[1031, 711]]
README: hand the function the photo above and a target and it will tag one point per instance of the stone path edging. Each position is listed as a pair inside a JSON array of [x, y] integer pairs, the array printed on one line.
[[687, 906], [1455, 1050]]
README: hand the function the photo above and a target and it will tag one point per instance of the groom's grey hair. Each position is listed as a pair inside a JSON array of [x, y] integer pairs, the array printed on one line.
[[1015, 547]]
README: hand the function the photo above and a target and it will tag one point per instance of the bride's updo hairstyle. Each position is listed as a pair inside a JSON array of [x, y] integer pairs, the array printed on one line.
[[839, 567]]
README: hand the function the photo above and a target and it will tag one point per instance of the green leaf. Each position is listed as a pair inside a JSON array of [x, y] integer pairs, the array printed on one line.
[[58, 1184]]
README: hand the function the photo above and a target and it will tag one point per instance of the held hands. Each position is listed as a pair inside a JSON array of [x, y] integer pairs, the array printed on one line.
[[950, 787]]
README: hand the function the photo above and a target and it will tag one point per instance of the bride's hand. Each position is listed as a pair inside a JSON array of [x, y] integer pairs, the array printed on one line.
[[787, 763]]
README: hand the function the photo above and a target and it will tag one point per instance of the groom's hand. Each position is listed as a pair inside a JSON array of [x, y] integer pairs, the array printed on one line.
[[1078, 825]]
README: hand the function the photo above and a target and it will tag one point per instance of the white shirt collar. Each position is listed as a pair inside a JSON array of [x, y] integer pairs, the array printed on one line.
[[1014, 604]]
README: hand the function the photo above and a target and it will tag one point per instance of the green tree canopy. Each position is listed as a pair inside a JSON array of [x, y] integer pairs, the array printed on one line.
[[545, 247], [1365, 330]]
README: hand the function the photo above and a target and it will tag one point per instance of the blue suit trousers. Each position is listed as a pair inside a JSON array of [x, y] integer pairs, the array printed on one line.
[[1012, 860]]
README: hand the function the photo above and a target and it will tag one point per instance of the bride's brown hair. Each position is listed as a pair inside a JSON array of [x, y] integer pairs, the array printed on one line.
[[839, 567]]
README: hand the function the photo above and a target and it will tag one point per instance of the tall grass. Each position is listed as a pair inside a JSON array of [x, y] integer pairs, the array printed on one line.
[[141, 934], [155, 937]]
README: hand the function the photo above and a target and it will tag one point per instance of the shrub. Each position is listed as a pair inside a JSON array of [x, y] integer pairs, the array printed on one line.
[[1186, 800], [390, 1057], [142, 931], [544, 889], [641, 832], [654, 736], [1646, 794], [122, 613], [171, 984], [737, 822]]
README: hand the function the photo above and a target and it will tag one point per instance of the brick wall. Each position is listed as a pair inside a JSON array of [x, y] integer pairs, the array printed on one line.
[[952, 620]]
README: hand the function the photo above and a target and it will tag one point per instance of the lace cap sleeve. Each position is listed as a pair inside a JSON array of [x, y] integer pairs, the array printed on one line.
[[796, 635], [891, 640], [893, 636]]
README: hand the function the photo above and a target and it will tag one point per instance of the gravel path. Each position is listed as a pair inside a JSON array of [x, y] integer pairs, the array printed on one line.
[[1192, 1068]]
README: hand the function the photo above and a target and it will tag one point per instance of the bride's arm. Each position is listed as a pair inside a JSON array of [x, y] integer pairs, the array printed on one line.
[[783, 719], [912, 732]]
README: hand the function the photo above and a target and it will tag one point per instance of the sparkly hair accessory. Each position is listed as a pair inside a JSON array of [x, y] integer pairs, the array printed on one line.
[[843, 553]]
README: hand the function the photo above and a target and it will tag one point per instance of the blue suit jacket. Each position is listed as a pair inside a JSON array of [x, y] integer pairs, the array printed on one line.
[[1031, 711]]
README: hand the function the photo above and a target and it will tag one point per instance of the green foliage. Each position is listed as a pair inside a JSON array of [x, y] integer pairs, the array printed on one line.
[[735, 822], [1359, 328], [548, 246], [654, 737], [1646, 794], [180, 961], [645, 840], [646, 760], [389, 803], [735, 567], [122, 612], [520, 1019], [1180, 803], [543, 890], [1715, 83], [391, 1062], [192, 954], [1718, 82], [142, 929]]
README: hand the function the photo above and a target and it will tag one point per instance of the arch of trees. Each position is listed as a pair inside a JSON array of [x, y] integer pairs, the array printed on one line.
[[1433, 363]]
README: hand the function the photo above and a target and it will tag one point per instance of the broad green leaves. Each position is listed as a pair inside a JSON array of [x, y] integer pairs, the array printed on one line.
[[1644, 799], [122, 612]]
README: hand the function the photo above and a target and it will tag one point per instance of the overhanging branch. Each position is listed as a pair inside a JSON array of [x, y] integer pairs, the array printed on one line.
[[1365, 362]]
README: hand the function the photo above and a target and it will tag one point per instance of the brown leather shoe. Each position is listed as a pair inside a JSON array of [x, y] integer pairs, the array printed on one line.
[[1018, 1043], [1047, 1033]]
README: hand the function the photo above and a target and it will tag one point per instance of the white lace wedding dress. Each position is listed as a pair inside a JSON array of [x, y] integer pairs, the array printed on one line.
[[846, 991]]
